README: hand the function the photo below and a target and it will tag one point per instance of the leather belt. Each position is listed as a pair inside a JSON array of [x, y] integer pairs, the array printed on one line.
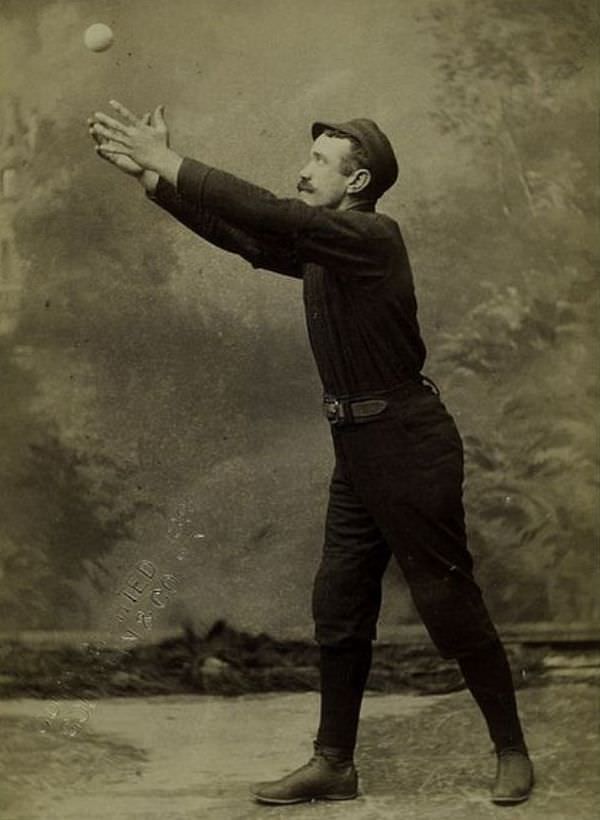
[[348, 411], [341, 411]]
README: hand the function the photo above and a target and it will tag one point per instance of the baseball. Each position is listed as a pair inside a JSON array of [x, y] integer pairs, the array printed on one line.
[[98, 37]]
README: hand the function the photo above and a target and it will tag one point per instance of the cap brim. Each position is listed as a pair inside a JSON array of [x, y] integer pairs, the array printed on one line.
[[318, 128]]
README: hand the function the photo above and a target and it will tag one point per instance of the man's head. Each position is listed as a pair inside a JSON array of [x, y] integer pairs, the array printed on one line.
[[348, 162]]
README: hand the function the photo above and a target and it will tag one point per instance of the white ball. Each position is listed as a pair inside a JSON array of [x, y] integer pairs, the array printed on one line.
[[98, 37]]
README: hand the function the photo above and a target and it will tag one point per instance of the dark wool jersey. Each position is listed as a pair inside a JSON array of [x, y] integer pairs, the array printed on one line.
[[359, 298]]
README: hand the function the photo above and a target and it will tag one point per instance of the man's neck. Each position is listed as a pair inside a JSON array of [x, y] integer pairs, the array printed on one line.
[[353, 203]]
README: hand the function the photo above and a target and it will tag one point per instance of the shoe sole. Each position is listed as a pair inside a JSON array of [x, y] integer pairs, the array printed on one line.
[[275, 801], [510, 801]]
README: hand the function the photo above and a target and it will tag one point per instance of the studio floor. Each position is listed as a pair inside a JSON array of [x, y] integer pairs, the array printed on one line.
[[187, 757]]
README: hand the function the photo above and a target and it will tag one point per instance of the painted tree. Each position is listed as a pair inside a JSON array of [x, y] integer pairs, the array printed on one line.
[[516, 85]]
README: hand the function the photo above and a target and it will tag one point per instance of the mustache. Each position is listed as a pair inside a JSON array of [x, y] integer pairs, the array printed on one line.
[[305, 186]]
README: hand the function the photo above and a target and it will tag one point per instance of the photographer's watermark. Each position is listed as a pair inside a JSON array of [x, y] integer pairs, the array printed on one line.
[[144, 594], [141, 600]]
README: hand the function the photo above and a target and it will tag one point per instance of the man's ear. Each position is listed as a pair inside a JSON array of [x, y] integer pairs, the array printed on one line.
[[358, 181]]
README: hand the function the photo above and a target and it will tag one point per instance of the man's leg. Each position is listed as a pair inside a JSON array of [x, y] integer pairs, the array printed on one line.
[[454, 613], [344, 671], [330, 774], [409, 470], [488, 676], [346, 603]]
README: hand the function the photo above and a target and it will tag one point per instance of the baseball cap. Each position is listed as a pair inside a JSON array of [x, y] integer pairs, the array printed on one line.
[[382, 160]]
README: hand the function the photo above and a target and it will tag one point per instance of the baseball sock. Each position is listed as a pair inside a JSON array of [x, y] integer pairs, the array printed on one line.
[[488, 677], [344, 672]]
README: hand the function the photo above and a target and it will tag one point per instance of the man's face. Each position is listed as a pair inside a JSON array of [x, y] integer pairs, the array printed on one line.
[[321, 180]]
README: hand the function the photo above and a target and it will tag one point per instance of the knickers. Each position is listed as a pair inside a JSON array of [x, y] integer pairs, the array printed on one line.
[[397, 490]]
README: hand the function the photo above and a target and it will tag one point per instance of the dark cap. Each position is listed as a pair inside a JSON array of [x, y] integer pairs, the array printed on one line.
[[382, 160]]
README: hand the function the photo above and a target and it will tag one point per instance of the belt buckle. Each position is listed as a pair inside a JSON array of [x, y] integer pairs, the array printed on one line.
[[334, 411]]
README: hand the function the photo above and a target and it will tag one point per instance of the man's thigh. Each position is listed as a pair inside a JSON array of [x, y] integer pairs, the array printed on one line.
[[408, 471], [347, 590]]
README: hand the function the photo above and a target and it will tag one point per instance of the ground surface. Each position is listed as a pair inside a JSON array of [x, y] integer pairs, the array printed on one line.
[[193, 756]]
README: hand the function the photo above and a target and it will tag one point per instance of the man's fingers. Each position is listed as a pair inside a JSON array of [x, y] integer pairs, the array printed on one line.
[[113, 148], [110, 134], [112, 158], [104, 119], [95, 136], [124, 112]]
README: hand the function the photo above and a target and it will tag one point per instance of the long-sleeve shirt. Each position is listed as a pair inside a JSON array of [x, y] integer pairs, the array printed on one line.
[[359, 299]]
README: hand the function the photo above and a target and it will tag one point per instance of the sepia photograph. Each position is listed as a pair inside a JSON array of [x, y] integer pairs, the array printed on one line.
[[299, 401]]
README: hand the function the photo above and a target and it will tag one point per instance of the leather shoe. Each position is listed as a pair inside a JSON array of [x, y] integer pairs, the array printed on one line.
[[328, 775], [514, 777]]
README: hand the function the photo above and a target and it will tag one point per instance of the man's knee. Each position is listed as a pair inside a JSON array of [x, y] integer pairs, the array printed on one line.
[[455, 615], [343, 609]]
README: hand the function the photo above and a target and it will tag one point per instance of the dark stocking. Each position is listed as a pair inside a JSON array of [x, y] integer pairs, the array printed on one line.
[[344, 672], [488, 676]]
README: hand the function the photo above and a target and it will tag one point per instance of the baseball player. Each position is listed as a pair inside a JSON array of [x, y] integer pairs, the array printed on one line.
[[396, 488]]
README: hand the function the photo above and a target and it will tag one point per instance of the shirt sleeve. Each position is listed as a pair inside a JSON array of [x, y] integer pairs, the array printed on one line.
[[354, 242], [264, 251]]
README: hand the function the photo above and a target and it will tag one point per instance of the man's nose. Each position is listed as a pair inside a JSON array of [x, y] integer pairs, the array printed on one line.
[[305, 173]]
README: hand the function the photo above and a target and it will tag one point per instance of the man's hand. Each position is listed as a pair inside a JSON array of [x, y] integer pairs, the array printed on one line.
[[140, 142], [120, 161]]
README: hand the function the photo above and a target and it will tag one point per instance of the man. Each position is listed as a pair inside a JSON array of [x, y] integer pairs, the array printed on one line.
[[397, 484]]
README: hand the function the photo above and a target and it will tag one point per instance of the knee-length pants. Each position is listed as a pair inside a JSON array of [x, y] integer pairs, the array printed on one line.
[[397, 490]]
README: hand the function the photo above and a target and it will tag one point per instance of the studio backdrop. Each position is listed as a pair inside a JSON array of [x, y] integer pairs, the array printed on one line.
[[160, 412]]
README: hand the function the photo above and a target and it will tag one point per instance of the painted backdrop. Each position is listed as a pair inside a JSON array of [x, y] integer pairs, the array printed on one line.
[[162, 455]]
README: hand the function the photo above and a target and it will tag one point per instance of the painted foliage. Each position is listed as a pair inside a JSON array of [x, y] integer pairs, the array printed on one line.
[[148, 379]]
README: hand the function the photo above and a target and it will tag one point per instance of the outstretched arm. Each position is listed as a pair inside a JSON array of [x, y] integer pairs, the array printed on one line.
[[260, 251], [346, 241]]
